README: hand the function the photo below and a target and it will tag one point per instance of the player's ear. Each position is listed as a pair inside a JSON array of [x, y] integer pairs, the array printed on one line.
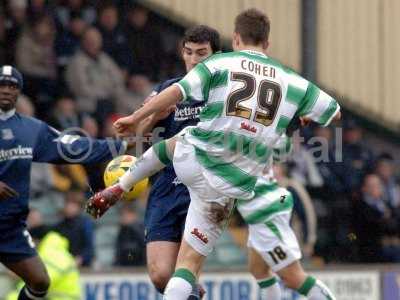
[[265, 45]]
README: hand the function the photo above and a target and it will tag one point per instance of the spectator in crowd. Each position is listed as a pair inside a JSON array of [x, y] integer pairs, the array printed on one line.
[[375, 228], [94, 78], [68, 40], [36, 59], [385, 167], [130, 241], [115, 43], [70, 8], [145, 42], [65, 114], [139, 87], [38, 8], [3, 41], [25, 106], [303, 165], [357, 156], [16, 13], [77, 227]]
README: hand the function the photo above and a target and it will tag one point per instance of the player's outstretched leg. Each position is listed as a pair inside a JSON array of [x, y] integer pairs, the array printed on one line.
[[295, 278], [267, 281], [152, 161], [34, 274]]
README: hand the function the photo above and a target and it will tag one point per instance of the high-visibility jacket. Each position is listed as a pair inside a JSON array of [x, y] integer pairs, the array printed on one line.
[[62, 269]]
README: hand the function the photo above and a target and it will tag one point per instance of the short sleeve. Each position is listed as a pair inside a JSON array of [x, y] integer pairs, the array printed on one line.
[[318, 105], [196, 84]]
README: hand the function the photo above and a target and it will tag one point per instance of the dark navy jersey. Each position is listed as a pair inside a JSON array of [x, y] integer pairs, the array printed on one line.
[[165, 184], [24, 140], [186, 114]]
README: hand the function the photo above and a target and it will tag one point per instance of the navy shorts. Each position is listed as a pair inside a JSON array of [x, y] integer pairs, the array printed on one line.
[[15, 244], [166, 213]]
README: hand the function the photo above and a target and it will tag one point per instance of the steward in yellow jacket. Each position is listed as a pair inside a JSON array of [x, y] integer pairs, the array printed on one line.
[[64, 274]]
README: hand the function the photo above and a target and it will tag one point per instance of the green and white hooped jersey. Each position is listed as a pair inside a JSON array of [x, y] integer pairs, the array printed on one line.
[[250, 100]]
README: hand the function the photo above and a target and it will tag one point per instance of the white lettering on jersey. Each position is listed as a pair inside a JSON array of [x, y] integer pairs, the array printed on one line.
[[16, 153], [187, 113]]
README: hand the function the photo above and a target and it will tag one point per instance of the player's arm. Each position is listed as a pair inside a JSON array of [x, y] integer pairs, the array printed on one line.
[[55, 147], [194, 85], [167, 98], [318, 106]]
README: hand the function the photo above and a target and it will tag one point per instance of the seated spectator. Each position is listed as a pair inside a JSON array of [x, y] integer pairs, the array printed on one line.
[[68, 8], [3, 41], [130, 241], [357, 156], [385, 167], [65, 114], [77, 227], [303, 167], [375, 229], [94, 171], [94, 78], [67, 41], [16, 14], [36, 59], [145, 42], [65, 177], [25, 106], [139, 88], [114, 40], [38, 8]]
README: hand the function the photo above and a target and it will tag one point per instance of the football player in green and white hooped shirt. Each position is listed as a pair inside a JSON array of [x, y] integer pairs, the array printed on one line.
[[251, 99]]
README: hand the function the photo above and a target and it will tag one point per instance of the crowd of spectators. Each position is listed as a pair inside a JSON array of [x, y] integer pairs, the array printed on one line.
[[87, 62]]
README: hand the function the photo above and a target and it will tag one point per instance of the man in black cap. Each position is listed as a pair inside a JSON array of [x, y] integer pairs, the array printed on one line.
[[22, 141]]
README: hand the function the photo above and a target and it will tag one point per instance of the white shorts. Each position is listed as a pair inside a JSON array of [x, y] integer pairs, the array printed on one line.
[[275, 242], [209, 210]]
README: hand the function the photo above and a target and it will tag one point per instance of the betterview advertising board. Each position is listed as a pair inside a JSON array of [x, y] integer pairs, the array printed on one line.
[[227, 286]]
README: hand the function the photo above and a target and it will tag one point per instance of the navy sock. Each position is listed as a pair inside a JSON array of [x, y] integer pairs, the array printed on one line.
[[27, 294]]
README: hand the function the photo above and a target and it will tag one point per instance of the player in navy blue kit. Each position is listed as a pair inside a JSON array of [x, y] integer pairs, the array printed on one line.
[[169, 199], [24, 140]]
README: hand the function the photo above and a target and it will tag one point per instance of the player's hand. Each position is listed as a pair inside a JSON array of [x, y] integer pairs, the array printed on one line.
[[125, 126], [6, 191], [100, 202]]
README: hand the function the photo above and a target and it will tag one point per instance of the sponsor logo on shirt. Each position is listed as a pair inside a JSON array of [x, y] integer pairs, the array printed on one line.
[[187, 113], [16, 153], [7, 134], [176, 181], [248, 127], [201, 236]]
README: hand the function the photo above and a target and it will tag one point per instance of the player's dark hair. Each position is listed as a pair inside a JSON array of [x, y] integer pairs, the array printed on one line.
[[203, 34], [253, 26]]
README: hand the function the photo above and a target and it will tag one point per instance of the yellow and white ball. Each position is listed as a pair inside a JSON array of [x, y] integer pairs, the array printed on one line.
[[116, 168]]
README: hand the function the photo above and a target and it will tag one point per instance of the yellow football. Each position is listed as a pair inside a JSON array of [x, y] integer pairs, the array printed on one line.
[[116, 168]]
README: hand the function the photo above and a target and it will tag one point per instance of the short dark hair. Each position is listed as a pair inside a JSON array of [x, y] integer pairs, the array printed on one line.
[[253, 26], [203, 34]]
